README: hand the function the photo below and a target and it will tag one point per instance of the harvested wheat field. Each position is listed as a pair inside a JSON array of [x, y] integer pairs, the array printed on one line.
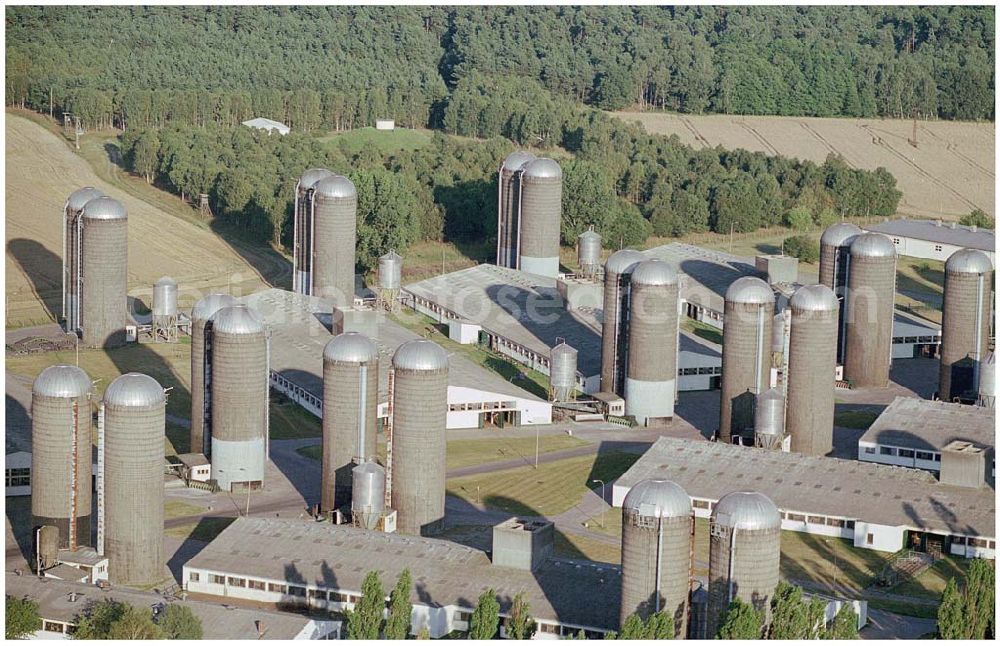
[[41, 173], [948, 173]]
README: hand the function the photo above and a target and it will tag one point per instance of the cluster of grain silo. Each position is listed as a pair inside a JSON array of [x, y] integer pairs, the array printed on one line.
[[562, 371], [201, 313], [540, 217], [164, 323], [588, 253], [746, 353], [61, 454], [302, 249], [744, 554], [72, 257], [812, 350], [509, 207], [769, 420], [657, 552], [834, 263], [965, 324], [871, 292], [390, 278], [350, 413], [131, 433], [614, 329], [651, 357], [236, 391], [418, 414]]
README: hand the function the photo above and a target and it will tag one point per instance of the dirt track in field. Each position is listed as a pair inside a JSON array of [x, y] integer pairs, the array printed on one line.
[[950, 171]]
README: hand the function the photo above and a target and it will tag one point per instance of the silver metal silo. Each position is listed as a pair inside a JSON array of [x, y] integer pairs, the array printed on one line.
[[614, 329], [104, 273], [367, 495], [812, 350], [302, 250], [834, 262], [589, 253], [657, 535], [165, 309], [746, 350], [539, 217], [651, 370], [72, 256], [965, 323], [769, 420], [871, 292], [562, 372], [335, 204], [202, 311], [390, 278]]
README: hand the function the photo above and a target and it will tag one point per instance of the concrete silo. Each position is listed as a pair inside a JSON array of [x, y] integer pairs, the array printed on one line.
[[988, 382], [350, 413], [812, 349], [588, 253], [508, 207], [651, 371], [73, 255], [965, 323], [367, 495], [657, 552], [539, 216], [744, 553], [871, 292], [302, 249], [746, 349], [390, 279], [416, 469], [614, 328], [237, 386], [834, 261], [61, 453], [769, 420], [131, 433], [104, 270], [202, 311], [562, 372], [335, 225], [165, 309]]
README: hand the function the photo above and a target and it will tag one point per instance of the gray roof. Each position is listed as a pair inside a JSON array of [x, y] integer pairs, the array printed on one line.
[[969, 261], [936, 231], [517, 159], [872, 245], [543, 168], [208, 305], [134, 389], [104, 208], [850, 489], [218, 621], [926, 425], [80, 197], [707, 274], [420, 354], [165, 281], [61, 381], [237, 319], [837, 234], [335, 187], [658, 499], [813, 298], [444, 573], [746, 510], [351, 347]]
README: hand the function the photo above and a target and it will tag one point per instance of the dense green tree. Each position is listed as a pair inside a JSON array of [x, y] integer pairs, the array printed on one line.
[[632, 628], [21, 618], [485, 619], [844, 624], [366, 620], [135, 623], [588, 200], [387, 214], [978, 218], [740, 621], [179, 622], [799, 218], [789, 613], [802, 247], [980, 597], [659, 625], [98, 618], [397, 624], [951, 621], [520, 624]]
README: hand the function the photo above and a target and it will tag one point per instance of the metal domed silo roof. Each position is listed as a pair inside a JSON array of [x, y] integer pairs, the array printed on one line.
[[311, 176], [104, 208], [968, 261], [837, 234], [746, 511], [79, 198], [750, 290], [208, 305], [621, 262], [350, 347], [61, 381], [654, 272], [165, 281], [589, 234], [420, 354], [517, 159], [543, 168], [134, 389], [237, 319], [335, 187], [658, 499], [873, 245], [813, 298]]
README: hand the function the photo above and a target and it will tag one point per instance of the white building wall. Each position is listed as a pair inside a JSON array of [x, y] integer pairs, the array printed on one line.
[[19, 460], [885, 538], [816, 529], [463, 332], [926, 249]]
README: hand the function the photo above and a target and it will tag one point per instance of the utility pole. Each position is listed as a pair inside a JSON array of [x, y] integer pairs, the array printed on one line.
[[603, 526]]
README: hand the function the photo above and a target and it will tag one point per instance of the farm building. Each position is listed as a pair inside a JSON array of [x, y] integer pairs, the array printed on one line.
[[269, 125], [876, 506], [934, 239]]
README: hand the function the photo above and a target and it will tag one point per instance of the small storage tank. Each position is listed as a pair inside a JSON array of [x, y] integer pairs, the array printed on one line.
[[651, 372], [165, 309], [202, 311], [61, 453], [302, 251], [811, 375], [350, 413], [834, 261], [508, 207], [746, 348], [72, 255], [614, 329], [871, 293], [988, 381], [562, 372], [238, 389], [744, 553], [419, 414], [390, 271], [367, 495], [657, 550], [769, 420], [47, 547], [589, 253], [540, 216], [335, 229], [104, 269], [965, 323], [134, 430]]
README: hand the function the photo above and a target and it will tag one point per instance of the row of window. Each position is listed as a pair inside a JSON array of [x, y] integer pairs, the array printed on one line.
[[935, 338], [974, 542], [704, 370], [484, 406], [18, 477], [802, 518], [280, 588], [904, 453], [296, 391]]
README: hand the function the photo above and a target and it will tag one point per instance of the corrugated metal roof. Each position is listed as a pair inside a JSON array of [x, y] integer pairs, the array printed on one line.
[[926, 425], [935, 231]]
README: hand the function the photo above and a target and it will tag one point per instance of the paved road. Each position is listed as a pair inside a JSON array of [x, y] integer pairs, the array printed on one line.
[[886, 625]]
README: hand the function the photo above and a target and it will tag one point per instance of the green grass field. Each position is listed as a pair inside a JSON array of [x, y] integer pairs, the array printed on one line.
[[177, 509], [860, 419], [930, 584], [385, 141], [464, 453], [205, 529], [702, 330], [825, 560]]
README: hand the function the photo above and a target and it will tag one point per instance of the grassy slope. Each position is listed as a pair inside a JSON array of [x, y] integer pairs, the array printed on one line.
[[385, 141]]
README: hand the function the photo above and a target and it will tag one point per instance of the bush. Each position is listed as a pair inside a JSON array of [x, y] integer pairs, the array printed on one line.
[[979, 219], [802, 247]]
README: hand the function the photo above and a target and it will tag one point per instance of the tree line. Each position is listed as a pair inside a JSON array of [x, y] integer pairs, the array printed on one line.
[[338, 67]]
